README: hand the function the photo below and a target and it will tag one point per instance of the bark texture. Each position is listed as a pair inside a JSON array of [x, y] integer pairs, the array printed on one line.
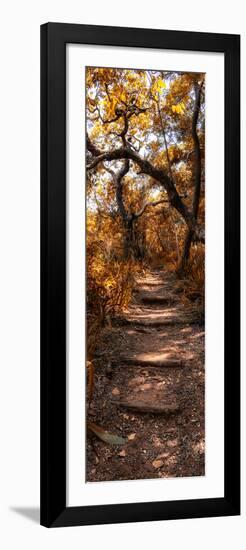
[[175, 200], [197, 175]]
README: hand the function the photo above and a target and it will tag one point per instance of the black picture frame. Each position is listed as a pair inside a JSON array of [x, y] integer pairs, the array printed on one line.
[[54, 37]]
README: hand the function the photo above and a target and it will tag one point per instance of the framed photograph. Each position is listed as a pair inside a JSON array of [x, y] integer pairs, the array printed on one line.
[[140, 275]]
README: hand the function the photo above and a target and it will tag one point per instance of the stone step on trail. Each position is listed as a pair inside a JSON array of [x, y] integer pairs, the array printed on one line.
[[153, 284], [151, 396], [155, 323], [142, 330], [157, 299], [154, 359], [151, 407]]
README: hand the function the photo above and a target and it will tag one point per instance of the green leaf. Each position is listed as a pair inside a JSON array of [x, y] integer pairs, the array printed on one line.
[[106, 436]]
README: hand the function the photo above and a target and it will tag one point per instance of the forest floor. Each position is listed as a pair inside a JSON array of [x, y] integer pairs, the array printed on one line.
[[149, 388]]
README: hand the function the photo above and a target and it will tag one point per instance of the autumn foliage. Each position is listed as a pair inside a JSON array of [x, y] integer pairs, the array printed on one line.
[[145, 184]]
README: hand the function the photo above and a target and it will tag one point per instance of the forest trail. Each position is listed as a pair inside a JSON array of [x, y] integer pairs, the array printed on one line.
[[149, 387]]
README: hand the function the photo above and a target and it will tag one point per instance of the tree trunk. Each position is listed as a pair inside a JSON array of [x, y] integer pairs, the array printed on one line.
[[128, 238], [197, 176], [133, 247], [157, 174]]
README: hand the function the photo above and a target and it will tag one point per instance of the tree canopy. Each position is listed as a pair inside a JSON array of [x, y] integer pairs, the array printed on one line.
[[151, 121]]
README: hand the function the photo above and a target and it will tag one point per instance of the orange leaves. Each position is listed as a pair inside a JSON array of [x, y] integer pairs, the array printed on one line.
[[160, 135], [109, 278], [109, 284], [194, 280], [155, 146]]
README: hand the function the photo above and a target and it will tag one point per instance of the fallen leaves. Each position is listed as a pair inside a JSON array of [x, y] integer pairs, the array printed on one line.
[[155, 446], [104, 435], [172, 443], [122, 453], [131, 437], [157, 463], [115, 391]]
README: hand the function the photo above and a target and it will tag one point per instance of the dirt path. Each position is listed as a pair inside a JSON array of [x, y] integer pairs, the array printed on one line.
[[149, 388]]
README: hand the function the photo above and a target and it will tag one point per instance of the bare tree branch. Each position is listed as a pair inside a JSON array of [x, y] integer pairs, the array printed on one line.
[[174, 198], [147, 204]]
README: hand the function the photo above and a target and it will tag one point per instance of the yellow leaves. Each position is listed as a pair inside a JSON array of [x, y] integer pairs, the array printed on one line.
[[108, 106], [157, 88], [96, 130], [109, 283], [141, 100], [123, 96], [160, 84], [179, 108], [100, 189], [131, 76]]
